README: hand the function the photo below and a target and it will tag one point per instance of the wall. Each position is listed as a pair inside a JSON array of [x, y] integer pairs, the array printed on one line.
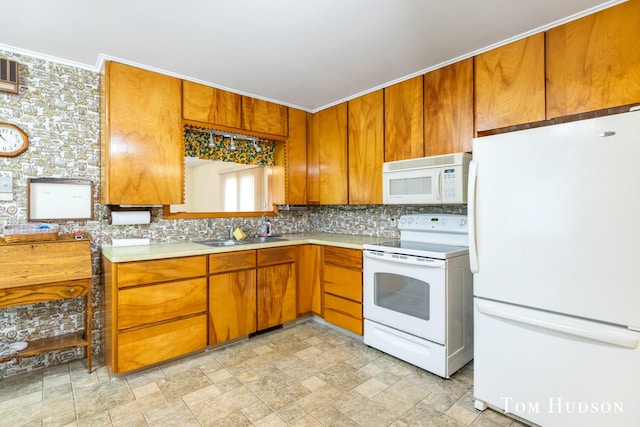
[[58, 107]]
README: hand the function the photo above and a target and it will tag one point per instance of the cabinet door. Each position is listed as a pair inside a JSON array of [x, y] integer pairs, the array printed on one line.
[[143, 156], [313, 159], [332, 155], [509, 84], [276, 295], [264, 116], [448, 109], [208, 104], [592, 62], [296, 153], [366, 148], [403, 120], [309, 287], [232, 305]]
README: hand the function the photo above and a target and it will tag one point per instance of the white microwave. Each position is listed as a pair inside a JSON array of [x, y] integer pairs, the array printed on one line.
[[434, 180]]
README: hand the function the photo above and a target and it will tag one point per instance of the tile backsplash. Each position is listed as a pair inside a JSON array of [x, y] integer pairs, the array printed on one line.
[[58, 107]]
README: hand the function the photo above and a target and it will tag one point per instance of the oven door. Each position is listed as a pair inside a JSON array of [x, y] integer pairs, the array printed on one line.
[[406, 293]]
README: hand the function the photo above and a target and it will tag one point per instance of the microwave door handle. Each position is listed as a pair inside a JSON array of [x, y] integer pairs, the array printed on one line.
[[439, 186]]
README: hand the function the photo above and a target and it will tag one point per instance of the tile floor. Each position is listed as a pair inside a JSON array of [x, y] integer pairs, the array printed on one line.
[[304, 375]]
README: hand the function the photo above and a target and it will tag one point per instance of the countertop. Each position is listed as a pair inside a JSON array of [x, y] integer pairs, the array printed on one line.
[[188, 248]]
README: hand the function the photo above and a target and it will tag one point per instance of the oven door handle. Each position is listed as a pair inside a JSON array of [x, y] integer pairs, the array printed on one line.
[[405, 259]]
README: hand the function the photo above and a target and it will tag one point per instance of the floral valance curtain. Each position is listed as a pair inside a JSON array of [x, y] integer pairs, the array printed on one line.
[[237, 149]]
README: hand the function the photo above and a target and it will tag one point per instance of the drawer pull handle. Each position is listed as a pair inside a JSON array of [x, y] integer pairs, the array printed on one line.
[[72, 291]]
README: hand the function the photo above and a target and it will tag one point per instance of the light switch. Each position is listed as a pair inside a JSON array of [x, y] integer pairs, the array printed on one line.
[[6, 185]]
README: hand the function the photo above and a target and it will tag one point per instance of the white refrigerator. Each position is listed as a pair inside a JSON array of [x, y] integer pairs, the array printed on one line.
[[554, 230]]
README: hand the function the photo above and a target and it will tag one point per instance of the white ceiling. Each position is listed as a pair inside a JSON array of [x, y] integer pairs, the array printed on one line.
[[308, 54]]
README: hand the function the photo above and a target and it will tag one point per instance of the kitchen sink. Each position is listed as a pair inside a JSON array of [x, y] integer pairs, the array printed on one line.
[[265, 239], [221, 242], [231, 242]]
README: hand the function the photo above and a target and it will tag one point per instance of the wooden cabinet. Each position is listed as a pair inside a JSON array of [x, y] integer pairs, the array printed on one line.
[[219, 107], [403, 120], [276, 286], [309, 285], [31, 273], [330, 140], [448, 109], [251, 291], [296, 155], [510, 84], [264, 116], [142, 152], [313, 159], [593, 62], [342, 282], [232, 295], [154, 310], [210, 105], [365, 148]]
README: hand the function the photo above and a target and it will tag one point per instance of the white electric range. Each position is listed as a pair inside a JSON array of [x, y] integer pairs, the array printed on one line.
[[418, 293]]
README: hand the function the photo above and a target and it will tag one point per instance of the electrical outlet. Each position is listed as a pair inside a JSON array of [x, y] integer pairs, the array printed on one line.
[[393, 221]]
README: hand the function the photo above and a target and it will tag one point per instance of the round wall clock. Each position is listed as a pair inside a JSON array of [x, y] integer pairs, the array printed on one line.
[[13, 140]]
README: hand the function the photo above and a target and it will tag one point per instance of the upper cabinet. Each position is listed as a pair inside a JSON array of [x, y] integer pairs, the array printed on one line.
[[329, 143], [296, 158], [403, 120], [509, 84], [210, 105], [593, 63], [448, 109], [264, 116], [219, 107], [366, 148], [141, 148]]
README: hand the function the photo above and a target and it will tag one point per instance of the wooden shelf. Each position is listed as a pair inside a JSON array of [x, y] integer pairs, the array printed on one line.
[[31, 275], [59, 342]]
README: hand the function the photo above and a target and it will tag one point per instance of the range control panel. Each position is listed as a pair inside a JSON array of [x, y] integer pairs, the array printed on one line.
[[444, 223]]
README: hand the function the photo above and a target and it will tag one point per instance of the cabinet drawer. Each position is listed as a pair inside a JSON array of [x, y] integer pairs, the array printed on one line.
[[272, 256], [143, 347], [162, 270], [232, 261], [156, 303], [343, 282], [345, 257], [343, 313], [20, 295]]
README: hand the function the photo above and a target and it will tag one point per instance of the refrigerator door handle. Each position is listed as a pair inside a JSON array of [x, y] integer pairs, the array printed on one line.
[[471, 212], [620, 339]]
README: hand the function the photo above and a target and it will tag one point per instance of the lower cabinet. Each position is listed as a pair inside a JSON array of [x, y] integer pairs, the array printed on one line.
[[342, 288], [154, 310], [250, 291], [276, 289], [309, 284], [232, 295]]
